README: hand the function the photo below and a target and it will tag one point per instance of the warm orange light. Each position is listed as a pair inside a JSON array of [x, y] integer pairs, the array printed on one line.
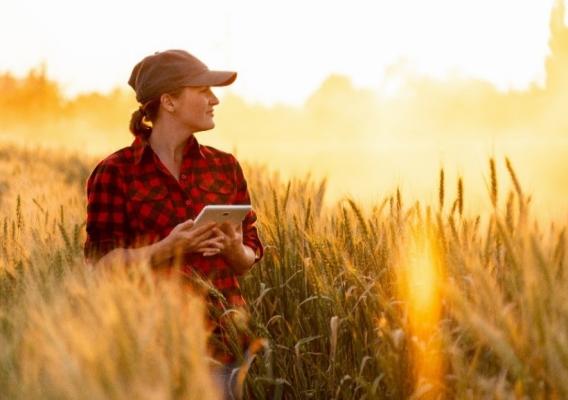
[[420, 280], [366, 143]]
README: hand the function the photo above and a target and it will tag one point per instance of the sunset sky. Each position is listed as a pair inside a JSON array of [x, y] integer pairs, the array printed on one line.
[[282, 50], [318, 57]]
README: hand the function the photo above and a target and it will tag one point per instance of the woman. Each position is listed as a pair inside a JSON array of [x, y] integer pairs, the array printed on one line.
[[142, 199]]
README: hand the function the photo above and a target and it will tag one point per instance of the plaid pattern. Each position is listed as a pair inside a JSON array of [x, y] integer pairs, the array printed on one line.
[[133, 200]]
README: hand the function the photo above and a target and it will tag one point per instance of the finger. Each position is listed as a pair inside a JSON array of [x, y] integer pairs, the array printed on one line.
[[210, 252], [218, 232], [207, 228], [199, 234], [200, 228], [213, 244], [216, 243], [203, 227], [228, 228], [186, 224], [207, 253]]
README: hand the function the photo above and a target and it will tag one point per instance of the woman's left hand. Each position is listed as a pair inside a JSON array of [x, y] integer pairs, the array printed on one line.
[[230, 240], [230, 245]]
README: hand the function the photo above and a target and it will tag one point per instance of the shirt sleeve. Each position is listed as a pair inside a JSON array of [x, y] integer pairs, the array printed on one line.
[[106, 212], [250, 232]]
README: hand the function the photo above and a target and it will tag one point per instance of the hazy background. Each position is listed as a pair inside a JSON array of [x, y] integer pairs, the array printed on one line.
[[367, 140]]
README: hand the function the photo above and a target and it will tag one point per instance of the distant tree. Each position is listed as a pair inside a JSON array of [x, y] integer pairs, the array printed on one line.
[[32, 99], [557, 61]]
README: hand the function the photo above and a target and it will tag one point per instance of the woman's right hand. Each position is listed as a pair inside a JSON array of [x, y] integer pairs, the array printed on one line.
[[183, 238], [193, 240]]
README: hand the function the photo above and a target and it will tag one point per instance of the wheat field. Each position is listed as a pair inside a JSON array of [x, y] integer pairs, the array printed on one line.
[[420, 301]]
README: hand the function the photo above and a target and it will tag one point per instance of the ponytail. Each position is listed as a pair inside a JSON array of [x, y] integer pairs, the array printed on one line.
[[141, 120], [137, 125]]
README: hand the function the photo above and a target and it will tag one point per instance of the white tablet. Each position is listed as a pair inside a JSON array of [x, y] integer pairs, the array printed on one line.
[[221, 213]]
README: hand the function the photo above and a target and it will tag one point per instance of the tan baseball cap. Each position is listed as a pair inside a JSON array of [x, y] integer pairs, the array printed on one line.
[[169, 70]]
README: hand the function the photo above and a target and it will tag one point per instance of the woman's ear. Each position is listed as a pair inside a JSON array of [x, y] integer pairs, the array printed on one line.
[[167, 102]]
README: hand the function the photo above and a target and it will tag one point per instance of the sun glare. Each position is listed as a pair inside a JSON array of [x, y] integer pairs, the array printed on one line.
[[420, 278]]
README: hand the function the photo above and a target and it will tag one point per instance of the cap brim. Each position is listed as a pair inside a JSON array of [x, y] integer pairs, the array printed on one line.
[[213, 78]]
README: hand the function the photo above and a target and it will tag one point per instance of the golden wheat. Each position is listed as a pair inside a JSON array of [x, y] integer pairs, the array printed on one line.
[[329, 296]]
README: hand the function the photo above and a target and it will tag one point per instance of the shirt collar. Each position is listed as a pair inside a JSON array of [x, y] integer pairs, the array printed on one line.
[[191, 149]]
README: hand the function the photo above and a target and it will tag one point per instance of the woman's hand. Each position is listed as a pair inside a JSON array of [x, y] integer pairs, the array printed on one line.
[[230, 245], [194, 240], [183, 238], [231, 239]]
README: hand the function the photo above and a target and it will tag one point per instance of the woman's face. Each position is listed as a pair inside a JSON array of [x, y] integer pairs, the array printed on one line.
[[194, 108]]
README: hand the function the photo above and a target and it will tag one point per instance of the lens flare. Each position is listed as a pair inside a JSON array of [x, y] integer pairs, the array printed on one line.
[[419, 283]]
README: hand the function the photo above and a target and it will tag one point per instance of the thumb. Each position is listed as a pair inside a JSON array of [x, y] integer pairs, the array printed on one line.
[[187, 224]]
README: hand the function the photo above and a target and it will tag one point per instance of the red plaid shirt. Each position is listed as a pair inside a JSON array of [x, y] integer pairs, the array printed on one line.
[[133, 200]]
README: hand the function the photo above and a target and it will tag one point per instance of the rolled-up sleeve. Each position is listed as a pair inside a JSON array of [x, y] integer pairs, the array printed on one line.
[[250, 232], [106, 212]]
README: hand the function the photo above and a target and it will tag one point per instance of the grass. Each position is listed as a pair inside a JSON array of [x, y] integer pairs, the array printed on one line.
[[393, 302]]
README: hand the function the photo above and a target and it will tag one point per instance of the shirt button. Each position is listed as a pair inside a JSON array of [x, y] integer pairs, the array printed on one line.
[[187, 202], [183, 176]]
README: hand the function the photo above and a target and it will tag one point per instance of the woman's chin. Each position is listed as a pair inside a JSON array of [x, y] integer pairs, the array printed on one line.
[[204, 127]]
